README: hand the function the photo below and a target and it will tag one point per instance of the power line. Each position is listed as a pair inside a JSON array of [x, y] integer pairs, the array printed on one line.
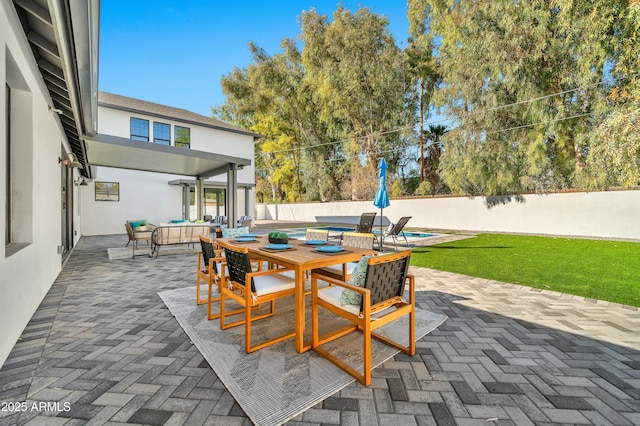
[[484, 111]]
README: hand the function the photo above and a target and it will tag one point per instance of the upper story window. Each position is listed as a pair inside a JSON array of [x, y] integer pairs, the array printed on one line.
[[161, 133], [182, 137], [139, 129]]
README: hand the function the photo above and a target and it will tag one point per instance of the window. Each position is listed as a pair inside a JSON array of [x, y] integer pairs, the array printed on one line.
[[139, 129], [161, 133], [107, 191], [182, 137], [17, 146]]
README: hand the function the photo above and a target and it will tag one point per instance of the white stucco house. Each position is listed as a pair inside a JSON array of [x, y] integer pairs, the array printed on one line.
[[160, 197], [78, 162]]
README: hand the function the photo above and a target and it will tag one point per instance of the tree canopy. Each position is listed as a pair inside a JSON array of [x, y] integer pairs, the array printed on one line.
[[543, 94], [533, 86]]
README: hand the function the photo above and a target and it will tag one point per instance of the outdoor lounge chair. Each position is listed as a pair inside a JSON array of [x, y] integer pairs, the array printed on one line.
[[395, 231], [250, 289], [382, 279], [363, 227], [244, 221], [138, 230], [218, 221], [366, 223]]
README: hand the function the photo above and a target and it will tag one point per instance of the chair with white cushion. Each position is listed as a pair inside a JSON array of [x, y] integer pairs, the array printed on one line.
[[317, 234], [373, 297], [349, 239], [250, 289], [211, 267]]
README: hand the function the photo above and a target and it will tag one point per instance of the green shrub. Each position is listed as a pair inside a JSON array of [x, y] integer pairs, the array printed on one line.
[[279, 235]]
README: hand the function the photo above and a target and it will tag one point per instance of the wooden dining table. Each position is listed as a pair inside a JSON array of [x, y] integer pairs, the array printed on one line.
[[300, 258]]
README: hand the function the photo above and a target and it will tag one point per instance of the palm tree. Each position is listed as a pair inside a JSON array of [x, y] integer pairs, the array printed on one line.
[[432, 162]]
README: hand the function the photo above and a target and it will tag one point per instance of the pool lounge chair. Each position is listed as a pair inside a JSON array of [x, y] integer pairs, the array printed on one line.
[[364, 226], [396, 230], [366, 223]]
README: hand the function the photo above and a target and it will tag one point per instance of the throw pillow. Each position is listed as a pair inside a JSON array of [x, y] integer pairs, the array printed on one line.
[[137, 223], [350, 297], [178, 220], [234, 232]]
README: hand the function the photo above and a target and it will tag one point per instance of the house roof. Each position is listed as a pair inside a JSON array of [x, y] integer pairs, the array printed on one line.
[[125, 103], [63, 35]]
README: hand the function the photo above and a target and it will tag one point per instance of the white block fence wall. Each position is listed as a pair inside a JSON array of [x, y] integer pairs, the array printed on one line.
[[610, 214]]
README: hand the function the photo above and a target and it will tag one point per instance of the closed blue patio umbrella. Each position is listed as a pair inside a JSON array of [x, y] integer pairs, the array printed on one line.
[[382, 197]]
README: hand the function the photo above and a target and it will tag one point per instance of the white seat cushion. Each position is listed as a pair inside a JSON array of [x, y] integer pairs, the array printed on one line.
[[226, 270], [272, 283], [338, 268], [333, 294]]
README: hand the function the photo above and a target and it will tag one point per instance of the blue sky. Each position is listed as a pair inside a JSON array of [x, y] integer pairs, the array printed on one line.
[[175, 52]]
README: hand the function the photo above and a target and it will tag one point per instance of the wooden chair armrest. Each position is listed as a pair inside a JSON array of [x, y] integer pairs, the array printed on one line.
[[315, 276]]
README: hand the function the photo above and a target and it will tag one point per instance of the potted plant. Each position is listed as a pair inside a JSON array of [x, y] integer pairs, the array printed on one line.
[[278, 237]]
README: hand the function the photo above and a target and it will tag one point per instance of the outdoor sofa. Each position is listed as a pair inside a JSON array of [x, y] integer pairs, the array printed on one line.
[[177, 233]]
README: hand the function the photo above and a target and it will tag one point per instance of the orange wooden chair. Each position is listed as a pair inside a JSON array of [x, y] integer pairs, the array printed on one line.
[[378, 301], [249, 290]]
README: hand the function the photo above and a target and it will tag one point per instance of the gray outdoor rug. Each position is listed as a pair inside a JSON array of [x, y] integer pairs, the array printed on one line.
[[276, 383], [143, 250]]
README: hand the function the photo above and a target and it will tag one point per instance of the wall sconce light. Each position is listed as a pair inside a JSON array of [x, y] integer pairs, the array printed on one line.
[[70, 161], [56, 110], [80, 182]]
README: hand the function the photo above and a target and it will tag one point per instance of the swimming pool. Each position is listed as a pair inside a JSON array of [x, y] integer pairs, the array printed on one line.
[[338, 229]]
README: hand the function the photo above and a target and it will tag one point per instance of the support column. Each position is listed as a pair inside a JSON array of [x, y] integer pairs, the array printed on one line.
[[199, 198], [185, 202], [247, 206], [232, 195]]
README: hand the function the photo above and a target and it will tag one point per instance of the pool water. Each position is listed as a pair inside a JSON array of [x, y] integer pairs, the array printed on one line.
[[350, 229]]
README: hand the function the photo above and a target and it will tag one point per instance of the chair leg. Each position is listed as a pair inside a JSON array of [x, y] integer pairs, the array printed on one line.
[[366, 372], [211, 299]]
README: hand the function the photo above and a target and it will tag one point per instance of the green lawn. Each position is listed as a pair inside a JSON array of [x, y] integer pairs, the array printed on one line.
[[605, 270]]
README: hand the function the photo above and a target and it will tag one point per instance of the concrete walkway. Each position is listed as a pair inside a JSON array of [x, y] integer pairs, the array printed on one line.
[[103, 349]]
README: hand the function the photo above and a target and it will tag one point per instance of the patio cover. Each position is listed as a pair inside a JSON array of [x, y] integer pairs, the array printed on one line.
[[123, 153]]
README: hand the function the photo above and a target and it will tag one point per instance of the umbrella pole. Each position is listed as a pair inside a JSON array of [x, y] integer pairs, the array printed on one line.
[[381, 235]]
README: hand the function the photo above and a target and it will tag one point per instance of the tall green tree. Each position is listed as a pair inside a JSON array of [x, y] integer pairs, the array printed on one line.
[[271, 98], [356, 73], [327, 112], [421, 66], [493, 54]]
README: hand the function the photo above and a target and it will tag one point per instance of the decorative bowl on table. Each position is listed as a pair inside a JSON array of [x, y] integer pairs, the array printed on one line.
[[278, 238]]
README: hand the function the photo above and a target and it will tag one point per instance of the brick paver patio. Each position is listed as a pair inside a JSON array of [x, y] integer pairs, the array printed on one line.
[[103, 349]]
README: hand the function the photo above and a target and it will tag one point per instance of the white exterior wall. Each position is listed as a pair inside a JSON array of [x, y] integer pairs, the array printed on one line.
[[116, 122], [147, 195], [611, 214], [143, 195], [27, 275]]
